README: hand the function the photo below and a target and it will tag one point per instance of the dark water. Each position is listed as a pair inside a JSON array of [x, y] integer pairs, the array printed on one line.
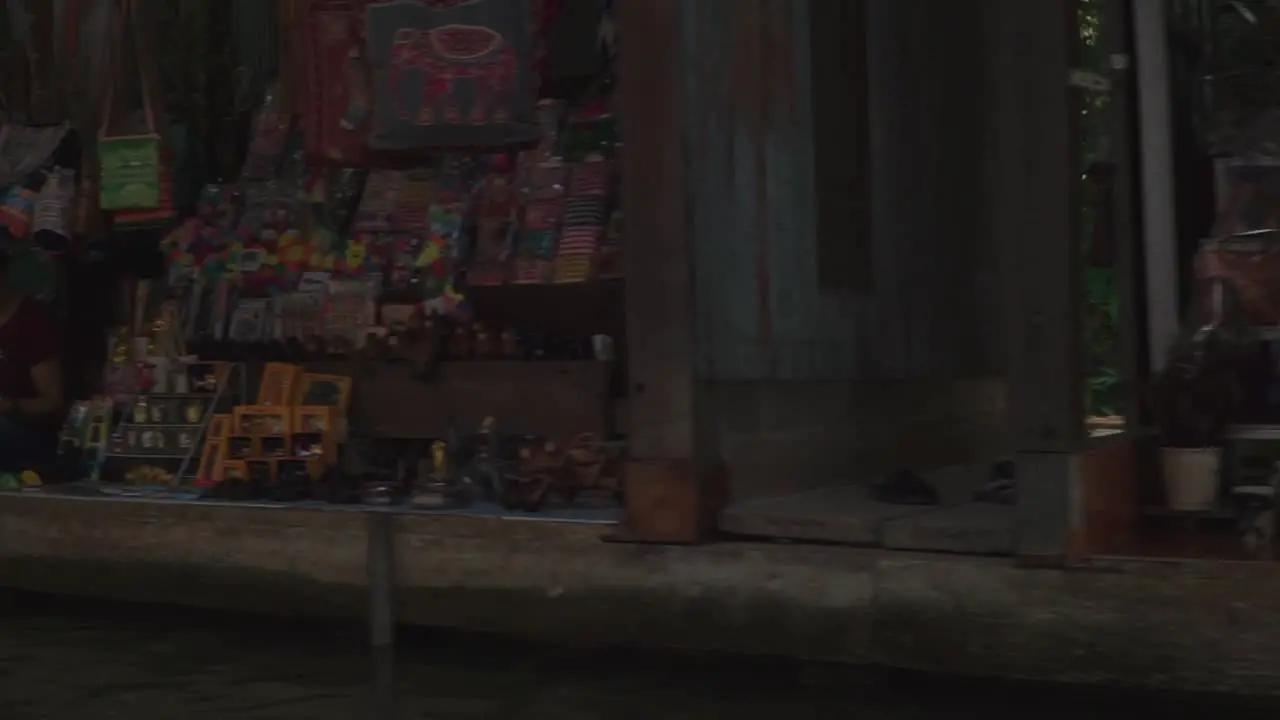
[[75, 660]]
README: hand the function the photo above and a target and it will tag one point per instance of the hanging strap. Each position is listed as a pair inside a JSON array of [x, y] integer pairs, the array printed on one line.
[[128, 29]]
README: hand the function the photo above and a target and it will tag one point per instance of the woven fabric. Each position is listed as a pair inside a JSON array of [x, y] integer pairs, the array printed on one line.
[[449, 73]]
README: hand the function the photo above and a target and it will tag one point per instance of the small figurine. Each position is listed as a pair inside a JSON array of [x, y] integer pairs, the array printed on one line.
[[157, 413], [433, 489], [141, 413], [426, 350], [439, 461], [460, 344], [539, 468], [193, 412], [483, 343], [483, 469], [510, 343]]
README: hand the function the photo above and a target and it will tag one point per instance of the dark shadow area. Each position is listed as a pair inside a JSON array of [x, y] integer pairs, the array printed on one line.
[[69, 658]]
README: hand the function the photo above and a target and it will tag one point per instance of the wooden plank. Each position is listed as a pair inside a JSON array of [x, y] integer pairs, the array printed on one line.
[[1035, 183]]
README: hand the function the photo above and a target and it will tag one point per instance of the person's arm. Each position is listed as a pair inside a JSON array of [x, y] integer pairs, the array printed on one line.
[[46, 377], [39, 351]]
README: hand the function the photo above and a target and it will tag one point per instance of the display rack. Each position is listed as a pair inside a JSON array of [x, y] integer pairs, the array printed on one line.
[[164, 429]]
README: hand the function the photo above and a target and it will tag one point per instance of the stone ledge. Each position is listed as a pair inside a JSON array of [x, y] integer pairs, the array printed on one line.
[[1205, 626]]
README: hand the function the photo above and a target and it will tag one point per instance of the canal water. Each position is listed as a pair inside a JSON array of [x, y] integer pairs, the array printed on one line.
[[75, 660]]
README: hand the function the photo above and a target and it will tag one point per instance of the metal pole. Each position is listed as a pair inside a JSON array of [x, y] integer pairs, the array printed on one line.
[[1159, 223], [381, 611], [382, 626]]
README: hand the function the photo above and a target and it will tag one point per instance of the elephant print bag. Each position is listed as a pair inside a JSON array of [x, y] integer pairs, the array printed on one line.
[[453, 73]]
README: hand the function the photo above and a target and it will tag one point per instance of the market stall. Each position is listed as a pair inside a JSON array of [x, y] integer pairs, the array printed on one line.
[[409, 292]]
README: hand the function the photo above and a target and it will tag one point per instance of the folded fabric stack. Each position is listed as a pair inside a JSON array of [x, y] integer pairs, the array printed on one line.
[[584, 220], [414, 199], [379, 201], [540, 231]]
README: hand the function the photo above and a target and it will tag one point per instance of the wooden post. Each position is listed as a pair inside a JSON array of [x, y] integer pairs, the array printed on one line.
[[381, 581], [667, 485], [1035, 186]]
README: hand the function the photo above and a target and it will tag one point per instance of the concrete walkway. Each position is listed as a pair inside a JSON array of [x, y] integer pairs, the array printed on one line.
[[1185, 625]]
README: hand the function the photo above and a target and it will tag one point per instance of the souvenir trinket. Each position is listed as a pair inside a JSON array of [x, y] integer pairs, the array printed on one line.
[[141, 411], [193, 412], [274, 446], [242, 447], [433, 489], [460, 344], [510, 342], [484, 344]]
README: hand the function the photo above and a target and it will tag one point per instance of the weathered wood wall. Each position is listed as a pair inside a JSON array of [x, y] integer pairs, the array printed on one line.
[[812, 382], [762, 314]]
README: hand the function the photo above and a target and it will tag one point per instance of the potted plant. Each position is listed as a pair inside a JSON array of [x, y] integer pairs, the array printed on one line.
[[1194, 400]]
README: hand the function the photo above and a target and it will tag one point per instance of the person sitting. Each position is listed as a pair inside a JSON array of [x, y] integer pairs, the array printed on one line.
[[31, 383]]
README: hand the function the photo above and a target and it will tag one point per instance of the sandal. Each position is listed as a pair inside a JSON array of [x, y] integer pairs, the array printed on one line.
[[1002, 489], [904, 487]]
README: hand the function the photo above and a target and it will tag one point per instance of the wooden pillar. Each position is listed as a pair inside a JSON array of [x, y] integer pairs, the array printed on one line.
[[666, 485], [1035, 187]]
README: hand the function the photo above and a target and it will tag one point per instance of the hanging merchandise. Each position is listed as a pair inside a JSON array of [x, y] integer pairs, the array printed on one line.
[[25, 149], [53, 213], [336, 83], [496, 205], [539, 236], [17, 207], [453, 74], [135, 179], [269, 137], [585, 215], [34, 24]]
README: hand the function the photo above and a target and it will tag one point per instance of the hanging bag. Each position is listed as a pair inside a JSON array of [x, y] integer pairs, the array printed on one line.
[[334, 80], [53, 214], [132, 177]]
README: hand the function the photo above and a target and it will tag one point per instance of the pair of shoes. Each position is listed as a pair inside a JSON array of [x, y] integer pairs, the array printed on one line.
[[904, 487], [1002, 489]]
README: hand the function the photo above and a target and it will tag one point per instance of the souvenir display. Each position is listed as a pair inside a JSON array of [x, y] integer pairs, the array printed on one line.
[[280, 450], [389, 194], [583, 225]]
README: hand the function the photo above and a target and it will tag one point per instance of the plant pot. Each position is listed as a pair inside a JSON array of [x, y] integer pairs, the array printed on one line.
[[1191, 477]]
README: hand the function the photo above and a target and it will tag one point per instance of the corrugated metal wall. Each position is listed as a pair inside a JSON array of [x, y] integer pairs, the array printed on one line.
[[760, 312]]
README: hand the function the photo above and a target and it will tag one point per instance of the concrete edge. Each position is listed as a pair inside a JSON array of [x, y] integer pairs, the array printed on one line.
[[1204, 626]]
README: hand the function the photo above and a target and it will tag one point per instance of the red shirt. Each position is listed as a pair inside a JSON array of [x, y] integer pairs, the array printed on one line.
[[27, 339]]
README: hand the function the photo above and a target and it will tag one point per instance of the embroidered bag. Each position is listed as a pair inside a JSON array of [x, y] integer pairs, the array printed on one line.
[[52, 216], [453, 73], [132, 177], [336, 83]]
